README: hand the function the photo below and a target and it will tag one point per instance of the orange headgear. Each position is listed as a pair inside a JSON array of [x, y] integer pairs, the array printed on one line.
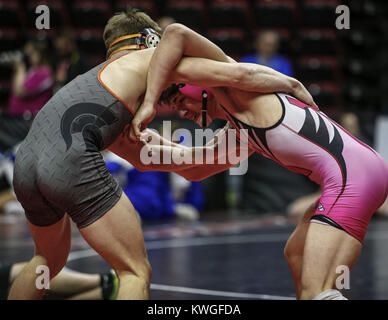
[[148, 38]]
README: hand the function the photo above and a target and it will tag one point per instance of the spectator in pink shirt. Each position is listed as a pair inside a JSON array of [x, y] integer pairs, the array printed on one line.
[[32, 87]]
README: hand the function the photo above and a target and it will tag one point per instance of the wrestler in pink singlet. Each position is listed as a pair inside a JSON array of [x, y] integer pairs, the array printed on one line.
[[353, 176]]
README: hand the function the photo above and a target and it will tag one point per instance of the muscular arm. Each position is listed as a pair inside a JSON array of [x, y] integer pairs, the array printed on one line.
[[200, 172], [214, 69], [243, 76], [219, 146], [178, 41], [130, 151]]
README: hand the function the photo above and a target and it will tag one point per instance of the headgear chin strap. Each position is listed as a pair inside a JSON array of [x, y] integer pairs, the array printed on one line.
[[147, 38], [204, 109]]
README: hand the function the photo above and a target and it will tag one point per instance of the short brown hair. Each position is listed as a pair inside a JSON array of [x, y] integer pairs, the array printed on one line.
[[166, 95], [124, 23]]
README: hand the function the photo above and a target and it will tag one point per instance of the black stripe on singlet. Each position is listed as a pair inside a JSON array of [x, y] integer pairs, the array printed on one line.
[[260, 132], [321, 138], [327, 220]]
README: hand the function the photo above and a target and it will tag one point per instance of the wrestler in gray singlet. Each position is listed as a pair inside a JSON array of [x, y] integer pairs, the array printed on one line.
[[59, 168]]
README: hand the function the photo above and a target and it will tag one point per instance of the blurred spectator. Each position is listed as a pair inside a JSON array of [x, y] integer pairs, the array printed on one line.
[[67, 285], [164, 110], [69, 62], [164, 21], [267, 45], [8, 202], [351, 122], [267, 187], [157, 195], [32, 87]]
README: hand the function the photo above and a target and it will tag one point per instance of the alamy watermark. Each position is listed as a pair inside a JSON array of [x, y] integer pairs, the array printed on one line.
[[43, 280], [343, 20], [43, 20], [223, 146], [343, 280]]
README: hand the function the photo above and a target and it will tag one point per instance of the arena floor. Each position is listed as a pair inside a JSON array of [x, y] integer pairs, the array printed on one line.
[[217, 258]]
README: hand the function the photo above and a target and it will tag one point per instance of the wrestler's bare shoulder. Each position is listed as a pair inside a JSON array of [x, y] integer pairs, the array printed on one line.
[[126, 76], [254, 108]]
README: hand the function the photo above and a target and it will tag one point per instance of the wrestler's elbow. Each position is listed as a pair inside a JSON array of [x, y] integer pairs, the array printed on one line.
[[176, 30]]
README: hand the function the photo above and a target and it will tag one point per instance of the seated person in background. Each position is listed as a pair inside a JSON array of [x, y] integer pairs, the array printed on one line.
[[67, 285], [165, 21], [69, 61], [8, 201], [32, 87], [267, 46], [157, 195], [268, 187]]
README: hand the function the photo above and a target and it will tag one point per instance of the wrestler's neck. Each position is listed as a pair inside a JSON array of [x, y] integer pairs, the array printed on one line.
[[121, 53], [215, 110]]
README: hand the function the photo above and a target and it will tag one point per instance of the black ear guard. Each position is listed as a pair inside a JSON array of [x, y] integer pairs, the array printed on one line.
[[148, 38]]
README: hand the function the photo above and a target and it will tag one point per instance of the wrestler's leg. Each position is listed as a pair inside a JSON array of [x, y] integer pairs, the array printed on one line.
[[118, 238], [67, 282], [92, 294], [293, 250], [52, 246], [325, 249], [71, 285]]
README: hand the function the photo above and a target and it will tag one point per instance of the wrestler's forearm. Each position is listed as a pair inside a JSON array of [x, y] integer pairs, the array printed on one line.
[[177, 153], [201, 172], [258, 78], [193, 171], [243, 76], [221, 161], [137, 155], [152, 137], [263, 79]]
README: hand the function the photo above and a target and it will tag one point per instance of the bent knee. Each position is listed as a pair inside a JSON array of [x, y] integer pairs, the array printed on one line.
[[142, 270]]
